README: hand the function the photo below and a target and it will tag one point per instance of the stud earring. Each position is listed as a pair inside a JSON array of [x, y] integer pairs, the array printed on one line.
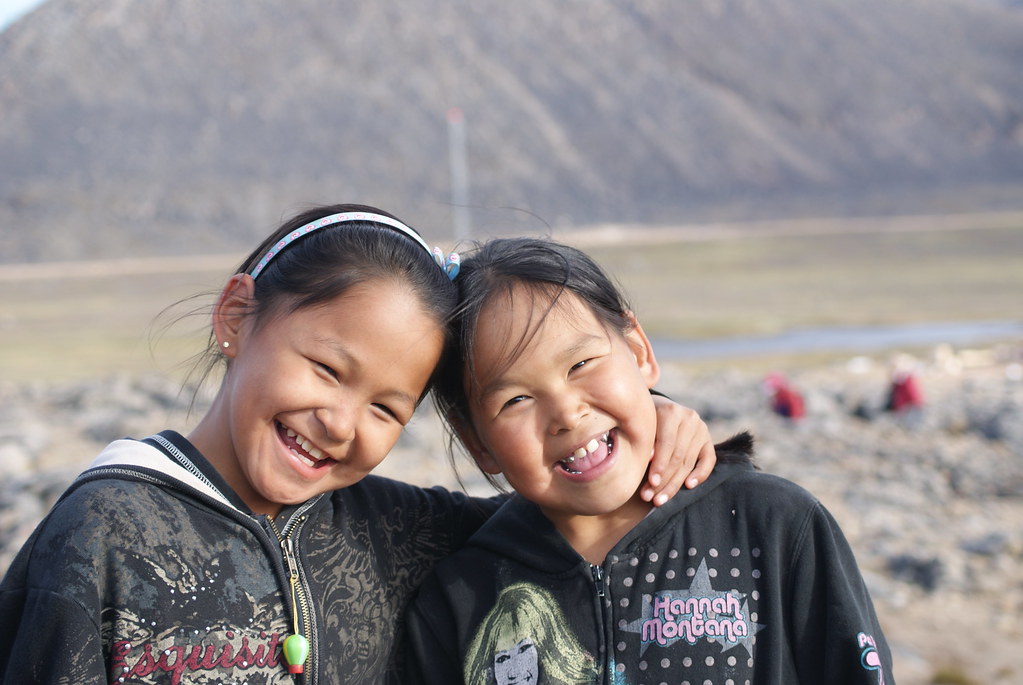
[[226, 344]]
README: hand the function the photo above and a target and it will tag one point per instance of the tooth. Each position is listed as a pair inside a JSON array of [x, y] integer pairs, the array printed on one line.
[[304, 444], [579, 453], [291, 433], [316, 453], [592, 446], [306, 460]]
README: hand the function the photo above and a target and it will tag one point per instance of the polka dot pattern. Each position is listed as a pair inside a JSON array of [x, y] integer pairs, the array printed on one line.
[[686, 614]]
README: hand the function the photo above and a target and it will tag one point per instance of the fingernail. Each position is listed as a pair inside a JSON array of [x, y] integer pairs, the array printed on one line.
[[692, 482], [655, 479], [661, 499]]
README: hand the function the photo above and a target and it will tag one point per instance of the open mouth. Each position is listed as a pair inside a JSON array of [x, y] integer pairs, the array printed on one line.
[[302, 447], [589, 455]]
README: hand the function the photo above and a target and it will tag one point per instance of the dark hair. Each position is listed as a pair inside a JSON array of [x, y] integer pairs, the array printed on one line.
[[327, 262], [545, 269]]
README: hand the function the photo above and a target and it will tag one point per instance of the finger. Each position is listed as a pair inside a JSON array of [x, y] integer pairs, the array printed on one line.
[[683, 458], [669, 488], [704, 465], [672, 423], [691, 462]]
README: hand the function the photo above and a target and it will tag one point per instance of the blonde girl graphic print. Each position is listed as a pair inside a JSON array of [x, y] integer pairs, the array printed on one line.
[[526, 639]]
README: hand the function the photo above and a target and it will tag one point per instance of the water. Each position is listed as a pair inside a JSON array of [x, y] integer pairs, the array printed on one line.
[[859, 340]]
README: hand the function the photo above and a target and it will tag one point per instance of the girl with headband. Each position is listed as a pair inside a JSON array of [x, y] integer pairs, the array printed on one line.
[[256, 548]]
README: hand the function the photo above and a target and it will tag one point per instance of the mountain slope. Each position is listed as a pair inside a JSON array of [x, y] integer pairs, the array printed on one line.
[[193, 125]]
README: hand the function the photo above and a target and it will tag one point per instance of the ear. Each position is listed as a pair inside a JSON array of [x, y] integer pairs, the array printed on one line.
[[231, 309], [474, 445], [642, 351]]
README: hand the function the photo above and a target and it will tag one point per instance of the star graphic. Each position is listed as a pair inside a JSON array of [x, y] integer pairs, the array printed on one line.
[[701, 587]]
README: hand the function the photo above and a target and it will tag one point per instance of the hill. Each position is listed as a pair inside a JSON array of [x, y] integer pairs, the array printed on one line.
[[181, 126]]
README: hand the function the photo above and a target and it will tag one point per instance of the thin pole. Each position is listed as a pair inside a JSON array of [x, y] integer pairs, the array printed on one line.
[[459, 174]]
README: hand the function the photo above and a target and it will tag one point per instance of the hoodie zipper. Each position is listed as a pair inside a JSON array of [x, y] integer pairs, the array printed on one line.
[[598, 579], [301, 612]]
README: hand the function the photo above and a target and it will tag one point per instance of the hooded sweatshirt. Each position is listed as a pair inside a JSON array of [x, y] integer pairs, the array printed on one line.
[[745, 579], [150, 569]]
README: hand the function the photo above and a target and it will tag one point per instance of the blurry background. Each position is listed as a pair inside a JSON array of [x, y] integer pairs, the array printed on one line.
[[810, 187], [186, 126]]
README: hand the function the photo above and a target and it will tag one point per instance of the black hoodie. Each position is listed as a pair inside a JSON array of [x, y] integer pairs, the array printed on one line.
[[745, 579], [151, 570]]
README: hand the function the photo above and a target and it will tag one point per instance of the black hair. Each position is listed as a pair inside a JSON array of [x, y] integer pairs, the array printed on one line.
[[326, 263], [545, 270]]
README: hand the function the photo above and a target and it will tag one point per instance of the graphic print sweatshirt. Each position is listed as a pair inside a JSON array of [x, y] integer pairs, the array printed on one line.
[[151, 570], [745, 579]]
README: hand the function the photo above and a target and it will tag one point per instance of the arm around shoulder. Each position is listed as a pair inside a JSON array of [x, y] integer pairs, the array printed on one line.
[[430, 659]]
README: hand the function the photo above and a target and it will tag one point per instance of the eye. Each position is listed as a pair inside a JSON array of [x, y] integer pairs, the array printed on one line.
[[579, 365], [515, 400], [387, 410], [329, 370]]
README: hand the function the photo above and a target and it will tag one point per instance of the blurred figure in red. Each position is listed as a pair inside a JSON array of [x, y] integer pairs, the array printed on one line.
[[904, 393], [785, 400]]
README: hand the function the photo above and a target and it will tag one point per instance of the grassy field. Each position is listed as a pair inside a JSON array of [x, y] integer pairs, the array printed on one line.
[[764, 285], [64, 323]]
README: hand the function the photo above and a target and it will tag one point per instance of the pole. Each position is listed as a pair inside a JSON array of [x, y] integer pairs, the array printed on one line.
[[459, 174]]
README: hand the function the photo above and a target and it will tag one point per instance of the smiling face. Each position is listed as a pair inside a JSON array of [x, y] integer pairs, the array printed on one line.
[[517, 664], [567, 416], [314, 399]]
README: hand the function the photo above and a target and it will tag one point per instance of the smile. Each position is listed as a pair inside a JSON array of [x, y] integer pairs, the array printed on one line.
[[591, 454], [302, 447]]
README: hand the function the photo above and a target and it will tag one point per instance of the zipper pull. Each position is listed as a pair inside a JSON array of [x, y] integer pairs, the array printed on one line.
[[288, 547], [296, 646], [598, 578]]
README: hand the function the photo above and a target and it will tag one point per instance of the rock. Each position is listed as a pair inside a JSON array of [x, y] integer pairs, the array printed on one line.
[[932, 503], [923, 571]]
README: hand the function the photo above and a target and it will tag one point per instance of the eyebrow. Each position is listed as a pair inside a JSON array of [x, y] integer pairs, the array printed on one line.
[[502, 382]]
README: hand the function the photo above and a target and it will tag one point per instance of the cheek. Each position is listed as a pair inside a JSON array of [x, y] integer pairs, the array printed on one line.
[[380, 443], [645, 421], [504, 437]]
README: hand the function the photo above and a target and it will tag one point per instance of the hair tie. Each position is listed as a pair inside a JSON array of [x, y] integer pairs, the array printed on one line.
[[450, 264]]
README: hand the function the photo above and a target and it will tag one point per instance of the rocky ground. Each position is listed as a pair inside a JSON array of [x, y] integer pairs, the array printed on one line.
[[931, 502]]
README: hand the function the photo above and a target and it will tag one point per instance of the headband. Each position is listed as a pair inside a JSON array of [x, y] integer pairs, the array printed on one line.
[[449, 264]]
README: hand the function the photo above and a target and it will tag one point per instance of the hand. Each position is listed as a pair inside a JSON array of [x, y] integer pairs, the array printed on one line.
[[683, 452]]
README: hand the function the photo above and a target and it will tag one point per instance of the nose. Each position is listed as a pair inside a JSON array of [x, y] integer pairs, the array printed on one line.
[[338, 422], [567, 410]]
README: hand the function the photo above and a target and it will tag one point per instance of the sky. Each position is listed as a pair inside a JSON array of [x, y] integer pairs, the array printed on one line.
[[14, 9]]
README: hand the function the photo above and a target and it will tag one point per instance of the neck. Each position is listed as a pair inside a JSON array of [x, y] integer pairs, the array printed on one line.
[[212, 439], [594, 536]]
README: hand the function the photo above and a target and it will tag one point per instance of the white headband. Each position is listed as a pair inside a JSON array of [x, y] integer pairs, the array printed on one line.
[[449, 264]]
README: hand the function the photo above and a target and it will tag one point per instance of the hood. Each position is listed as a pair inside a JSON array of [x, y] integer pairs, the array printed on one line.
[[519, 530]]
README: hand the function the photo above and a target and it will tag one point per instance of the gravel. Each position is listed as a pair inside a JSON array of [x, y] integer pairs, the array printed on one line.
[[931, 501]]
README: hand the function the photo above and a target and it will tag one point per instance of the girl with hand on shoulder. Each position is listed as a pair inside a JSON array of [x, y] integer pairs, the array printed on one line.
[[257, 548]]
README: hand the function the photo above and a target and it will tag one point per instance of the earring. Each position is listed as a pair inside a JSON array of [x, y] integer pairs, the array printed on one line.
[[226, 344]]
